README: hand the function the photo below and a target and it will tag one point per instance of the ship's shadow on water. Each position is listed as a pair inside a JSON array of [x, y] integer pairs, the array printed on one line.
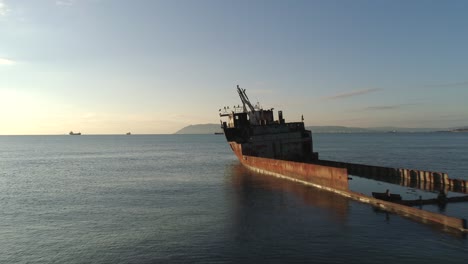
[[273, 192], [258, 196], [276, 219]]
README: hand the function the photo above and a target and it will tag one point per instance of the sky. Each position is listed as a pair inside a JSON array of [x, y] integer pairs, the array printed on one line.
[[153, 67]]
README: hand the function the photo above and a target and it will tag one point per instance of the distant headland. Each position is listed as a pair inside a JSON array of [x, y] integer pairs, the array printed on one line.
[[458, 130], [216, 128]]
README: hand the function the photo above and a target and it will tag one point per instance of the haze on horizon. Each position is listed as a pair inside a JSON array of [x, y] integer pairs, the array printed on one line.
[[109, 67]]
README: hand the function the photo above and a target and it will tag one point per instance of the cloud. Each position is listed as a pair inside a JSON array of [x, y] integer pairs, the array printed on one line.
[[3, 8], [383, 107], [387, 107], [6, 61], [64, 2], [463, 84], [351, 94]]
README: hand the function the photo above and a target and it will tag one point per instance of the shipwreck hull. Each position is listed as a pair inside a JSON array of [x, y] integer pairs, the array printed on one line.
[[312, 174], [335, 180]]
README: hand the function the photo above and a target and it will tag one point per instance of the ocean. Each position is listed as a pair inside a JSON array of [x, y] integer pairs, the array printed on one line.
[[186, 199]]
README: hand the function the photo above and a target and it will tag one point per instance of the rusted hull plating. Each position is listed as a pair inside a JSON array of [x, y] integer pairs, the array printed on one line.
[[425, 180], [335, 180], [312, 174]]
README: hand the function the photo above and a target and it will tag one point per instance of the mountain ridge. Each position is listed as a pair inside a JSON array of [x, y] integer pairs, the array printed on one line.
[[216, 128]]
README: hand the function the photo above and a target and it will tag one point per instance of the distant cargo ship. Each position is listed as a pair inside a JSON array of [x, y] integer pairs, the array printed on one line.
[[74, 134]]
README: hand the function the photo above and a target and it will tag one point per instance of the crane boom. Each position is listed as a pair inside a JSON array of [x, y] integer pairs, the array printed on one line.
[[253, 113], [245, 99]]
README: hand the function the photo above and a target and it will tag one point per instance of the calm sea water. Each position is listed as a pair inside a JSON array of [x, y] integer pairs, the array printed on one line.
[[185, 198]]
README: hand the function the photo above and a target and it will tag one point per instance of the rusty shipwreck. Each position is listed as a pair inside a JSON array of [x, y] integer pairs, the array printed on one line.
[[285, 149], [277, 147]]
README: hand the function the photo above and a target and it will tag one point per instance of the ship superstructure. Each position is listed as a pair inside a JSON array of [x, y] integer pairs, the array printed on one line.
[[255, 132]]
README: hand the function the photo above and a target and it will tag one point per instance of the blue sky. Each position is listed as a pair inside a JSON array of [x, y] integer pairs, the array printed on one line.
[[111, 66]]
